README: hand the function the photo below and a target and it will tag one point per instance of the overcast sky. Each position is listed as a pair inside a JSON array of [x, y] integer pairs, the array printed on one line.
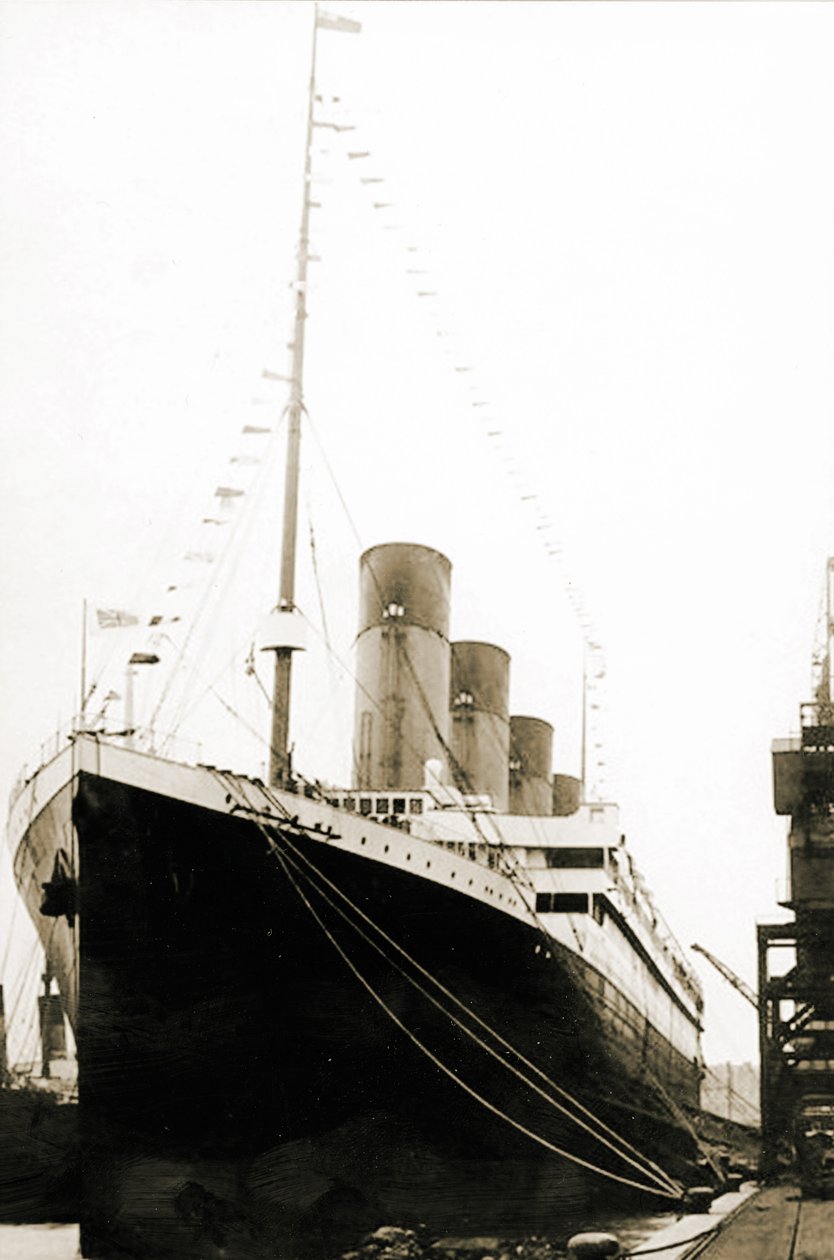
[[619, 218]]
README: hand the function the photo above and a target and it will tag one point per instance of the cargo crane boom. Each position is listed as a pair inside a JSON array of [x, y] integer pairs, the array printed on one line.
[[729, 975]]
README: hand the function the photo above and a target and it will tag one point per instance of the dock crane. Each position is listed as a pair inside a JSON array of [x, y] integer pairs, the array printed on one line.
[[742, 987], [729, 975], [796, 1006]]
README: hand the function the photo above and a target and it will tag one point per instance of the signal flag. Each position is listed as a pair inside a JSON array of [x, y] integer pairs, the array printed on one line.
[[115, 619], [334, 22]]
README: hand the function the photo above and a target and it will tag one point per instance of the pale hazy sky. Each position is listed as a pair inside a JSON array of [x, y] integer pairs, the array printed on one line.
[[623, 216]]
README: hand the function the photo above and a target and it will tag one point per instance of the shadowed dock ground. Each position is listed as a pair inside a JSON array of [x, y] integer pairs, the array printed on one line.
[[61, 1241], [775, 1224]]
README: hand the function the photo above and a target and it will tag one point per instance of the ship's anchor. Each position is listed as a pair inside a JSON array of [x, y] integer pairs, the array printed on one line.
[[60, 893]]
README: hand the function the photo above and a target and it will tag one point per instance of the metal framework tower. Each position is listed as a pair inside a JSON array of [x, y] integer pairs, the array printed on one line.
[[796, 995]]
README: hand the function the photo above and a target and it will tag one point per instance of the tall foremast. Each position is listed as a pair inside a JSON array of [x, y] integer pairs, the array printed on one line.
[[285, 644]]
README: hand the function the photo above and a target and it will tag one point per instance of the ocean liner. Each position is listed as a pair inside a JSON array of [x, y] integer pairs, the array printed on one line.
[[442, 994]]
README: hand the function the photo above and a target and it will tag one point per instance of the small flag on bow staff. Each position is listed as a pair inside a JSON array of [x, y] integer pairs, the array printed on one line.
[[334, 22]]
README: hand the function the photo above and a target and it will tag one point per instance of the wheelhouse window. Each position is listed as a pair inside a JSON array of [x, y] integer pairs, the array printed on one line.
[[365, 805], [575, 859], [399, 804], [382, 805], [562, 903], [415, 805]]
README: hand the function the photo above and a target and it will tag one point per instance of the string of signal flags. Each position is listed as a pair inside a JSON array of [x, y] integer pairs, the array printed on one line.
[[217, 525], [332, 119]]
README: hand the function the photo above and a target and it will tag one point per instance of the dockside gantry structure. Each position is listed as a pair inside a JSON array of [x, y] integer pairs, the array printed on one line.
[[796, 997]]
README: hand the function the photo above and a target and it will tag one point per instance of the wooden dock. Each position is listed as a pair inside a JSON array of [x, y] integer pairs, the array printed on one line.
[[774, 1224]]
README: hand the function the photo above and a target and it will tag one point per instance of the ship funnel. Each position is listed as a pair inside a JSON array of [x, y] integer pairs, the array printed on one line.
[[567, 794], [531, 755], [402, 665], [479, 710]]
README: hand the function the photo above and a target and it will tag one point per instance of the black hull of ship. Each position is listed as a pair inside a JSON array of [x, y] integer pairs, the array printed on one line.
[[240, 1088]]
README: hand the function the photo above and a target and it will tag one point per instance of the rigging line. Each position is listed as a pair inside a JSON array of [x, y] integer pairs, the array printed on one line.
[[29, 1039], [183, 672], [585, 626], [727, 1087], [261, 686], [230, 781], [240, 527], [512, 867], [468, 1089], [328, 466], [259, 735], [319, 592], [208, 687], [172, 530], [346, 667], [645, 1163], [28, 980], [254, 731], [458, 771], [26, 974], [10, 935], [456, 768], [587, 632], [641, 1167], [185, 713], [680, 1115], [446, 992]]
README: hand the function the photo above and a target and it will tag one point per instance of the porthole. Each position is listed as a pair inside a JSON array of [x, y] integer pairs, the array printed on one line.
[[428, 864], [408, 857], [385, 850], [364, 838]]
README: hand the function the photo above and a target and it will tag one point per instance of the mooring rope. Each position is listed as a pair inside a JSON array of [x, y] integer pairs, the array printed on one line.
[[642, 1166], [468, 1089], [664, 1185], [645, 1163]]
